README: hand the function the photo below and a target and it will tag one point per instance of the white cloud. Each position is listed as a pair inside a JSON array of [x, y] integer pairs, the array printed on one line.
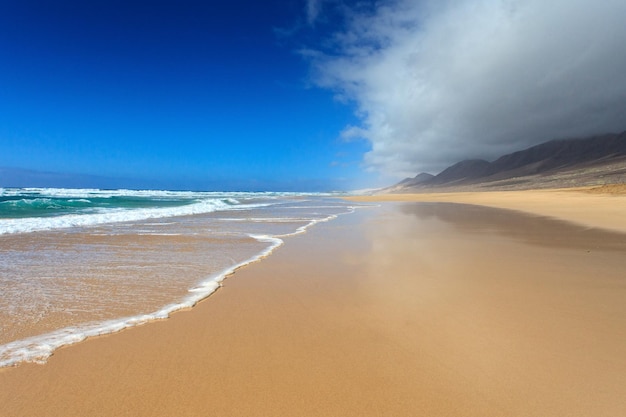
[[439, 81], [313, 9]]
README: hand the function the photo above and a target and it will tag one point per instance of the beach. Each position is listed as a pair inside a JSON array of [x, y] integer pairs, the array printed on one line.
[[464, 304]]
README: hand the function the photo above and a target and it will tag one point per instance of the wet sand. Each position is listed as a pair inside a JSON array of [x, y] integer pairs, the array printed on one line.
[[590, 206], [53, 280], [400, 310]]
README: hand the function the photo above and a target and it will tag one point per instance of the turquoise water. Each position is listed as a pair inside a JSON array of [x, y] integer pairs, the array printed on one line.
[[32, 205], [37, 209], [78, 263], [23, 203]]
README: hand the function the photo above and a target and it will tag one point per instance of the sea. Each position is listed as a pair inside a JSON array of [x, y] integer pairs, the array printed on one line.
[[76, 263]]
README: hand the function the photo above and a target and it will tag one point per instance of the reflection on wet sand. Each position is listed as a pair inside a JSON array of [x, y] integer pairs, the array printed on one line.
[[528, 228]]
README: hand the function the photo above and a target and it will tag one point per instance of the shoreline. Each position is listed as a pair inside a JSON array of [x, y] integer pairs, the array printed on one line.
[[402, 309], [39, 348]]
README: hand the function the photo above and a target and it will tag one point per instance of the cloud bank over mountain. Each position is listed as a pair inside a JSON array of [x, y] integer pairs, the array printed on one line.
[[435, 82]]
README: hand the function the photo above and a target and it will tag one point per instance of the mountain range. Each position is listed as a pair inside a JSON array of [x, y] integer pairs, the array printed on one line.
[[558, 163]]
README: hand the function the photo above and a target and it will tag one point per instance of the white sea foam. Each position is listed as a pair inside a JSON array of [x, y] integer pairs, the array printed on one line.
[[33, 224], [92, 192], [189, 203], [39, 348]]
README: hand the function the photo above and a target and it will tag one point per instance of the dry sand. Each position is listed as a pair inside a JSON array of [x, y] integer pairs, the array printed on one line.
[[400, 310]]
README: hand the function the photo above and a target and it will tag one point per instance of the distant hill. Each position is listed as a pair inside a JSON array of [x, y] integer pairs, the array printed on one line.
[[422, 178], [558, 163]]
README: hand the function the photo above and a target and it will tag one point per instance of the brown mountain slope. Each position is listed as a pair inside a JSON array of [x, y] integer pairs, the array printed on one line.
[[558, 163]]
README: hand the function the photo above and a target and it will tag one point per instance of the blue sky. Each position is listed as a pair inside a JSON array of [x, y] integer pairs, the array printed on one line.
[[177, 94], [296, 94]]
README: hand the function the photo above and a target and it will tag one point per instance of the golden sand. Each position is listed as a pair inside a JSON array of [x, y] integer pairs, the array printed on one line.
[[401, 310], [603, 207]]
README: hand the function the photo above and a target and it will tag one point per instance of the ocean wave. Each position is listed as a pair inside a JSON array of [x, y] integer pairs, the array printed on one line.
[[116, 215], [39, 348], [94, 192], [42, 203]]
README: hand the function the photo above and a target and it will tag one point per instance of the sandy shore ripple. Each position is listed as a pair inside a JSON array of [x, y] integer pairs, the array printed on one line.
[[404, 309]]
